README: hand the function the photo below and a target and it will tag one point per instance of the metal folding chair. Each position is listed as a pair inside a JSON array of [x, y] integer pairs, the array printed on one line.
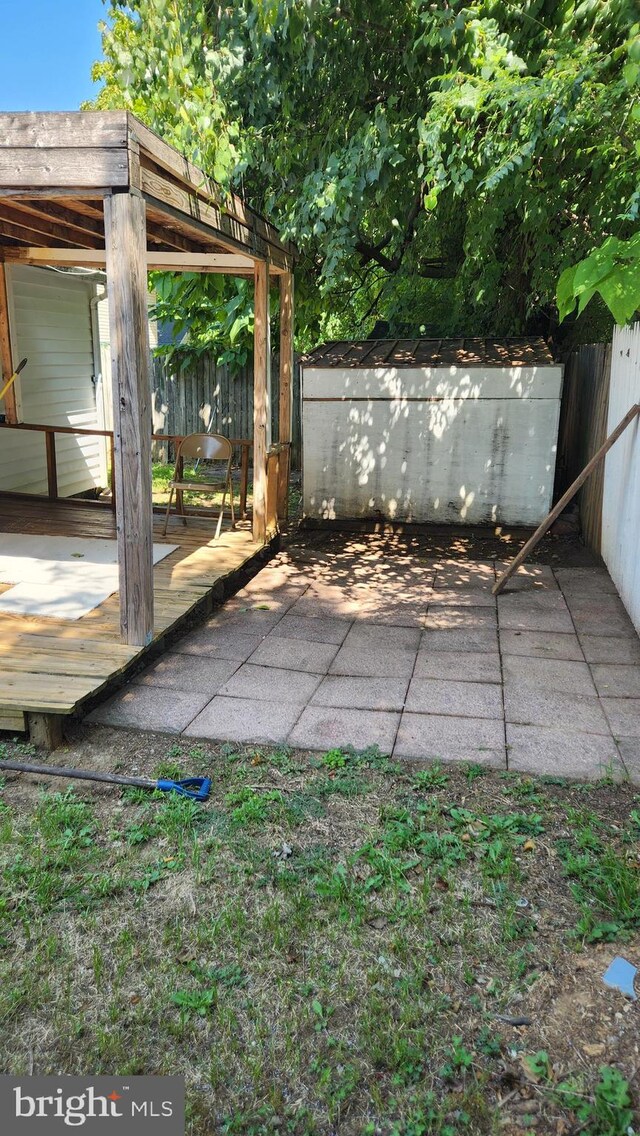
[[201, 448]]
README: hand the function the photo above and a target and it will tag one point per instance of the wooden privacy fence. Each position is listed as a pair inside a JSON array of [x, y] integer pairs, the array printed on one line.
[[583, 429], [211, 398]]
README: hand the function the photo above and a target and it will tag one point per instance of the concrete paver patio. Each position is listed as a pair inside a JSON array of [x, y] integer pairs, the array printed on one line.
[[362, 647]]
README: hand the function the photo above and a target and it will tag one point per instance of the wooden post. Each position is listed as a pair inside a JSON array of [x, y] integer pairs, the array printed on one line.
[[261, 407], [286, 388], [6, 358], [45, 730], [125, 241], [52, 465], [566, 497]]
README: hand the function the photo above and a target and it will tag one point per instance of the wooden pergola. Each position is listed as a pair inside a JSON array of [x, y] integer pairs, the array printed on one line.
[[102, 190]]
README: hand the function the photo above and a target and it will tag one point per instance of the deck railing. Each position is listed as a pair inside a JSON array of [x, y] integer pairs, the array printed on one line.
[[243, 444]]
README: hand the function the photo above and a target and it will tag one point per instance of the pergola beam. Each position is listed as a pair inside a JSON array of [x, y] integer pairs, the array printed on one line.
[[6, 357], [156, 261]]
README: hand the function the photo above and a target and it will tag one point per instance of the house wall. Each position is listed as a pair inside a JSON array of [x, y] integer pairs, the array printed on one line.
[[621, 497], [50, 321], [475, 445]]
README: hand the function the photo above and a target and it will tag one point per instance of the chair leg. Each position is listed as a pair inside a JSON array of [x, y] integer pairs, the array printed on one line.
[[166, 516], [219, 525], [233, 518]]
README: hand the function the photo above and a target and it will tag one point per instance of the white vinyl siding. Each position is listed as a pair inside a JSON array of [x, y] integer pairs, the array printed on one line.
[[50, 317]]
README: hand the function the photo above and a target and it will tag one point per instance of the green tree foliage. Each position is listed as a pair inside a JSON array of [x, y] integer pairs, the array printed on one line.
[[439, 165]]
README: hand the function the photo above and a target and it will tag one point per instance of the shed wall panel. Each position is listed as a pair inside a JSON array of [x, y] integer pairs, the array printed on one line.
[[51, 325], [462, 454]]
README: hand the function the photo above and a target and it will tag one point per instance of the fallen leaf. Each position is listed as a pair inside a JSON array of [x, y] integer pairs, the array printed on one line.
[[593, 1050], [529, 846]]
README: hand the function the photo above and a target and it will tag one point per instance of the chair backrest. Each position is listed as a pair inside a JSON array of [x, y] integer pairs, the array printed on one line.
[[206, 447]]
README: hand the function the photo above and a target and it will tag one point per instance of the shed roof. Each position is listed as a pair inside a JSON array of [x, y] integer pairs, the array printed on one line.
[[432, 353]]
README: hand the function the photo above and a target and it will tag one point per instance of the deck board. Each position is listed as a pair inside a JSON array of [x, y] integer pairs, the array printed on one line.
[[52, 665]]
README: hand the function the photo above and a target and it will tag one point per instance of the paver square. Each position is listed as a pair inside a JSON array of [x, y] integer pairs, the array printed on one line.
[[541, 645], [461, 597], [320, 601], [392, 614], [584, 579], [247, 620], [460, 639], [461, 699], [324, 727], [630, 754], [150, 708], [373, 660], [433, 736], [525, 616], [325, 630], [271, 684], [294, 654], [610, 649], [623, 715], [451, 618], [187, 672], [377, 636], [244, 720], [462, 666], [562, 753], [531, 705], [465, 575], [592, 621], [220, 643], [616, 680], [361, 693], [548, 674]]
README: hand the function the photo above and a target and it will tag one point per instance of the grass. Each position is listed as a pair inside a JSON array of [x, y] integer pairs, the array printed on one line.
[[330, 945]]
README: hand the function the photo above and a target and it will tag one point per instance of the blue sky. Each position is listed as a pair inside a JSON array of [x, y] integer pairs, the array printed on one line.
[[46, 51]]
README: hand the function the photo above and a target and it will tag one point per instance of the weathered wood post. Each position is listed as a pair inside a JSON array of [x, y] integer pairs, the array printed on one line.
[[286, 388], [126, 253], [6, 360], [261, 398]]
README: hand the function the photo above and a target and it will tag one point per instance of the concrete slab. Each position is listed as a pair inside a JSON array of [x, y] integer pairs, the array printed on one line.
[[247, 620], [150, 708], [460, 699], [271, 684], [320, 601], [461, 597], [525, 616], [593, 621], [323, 728], [469, 619], [610, 649], [461, 666], [346, 692], [392, 614], [615, 680], [541, 645], [432, 736], [530, 705], [548, 674], [177, 671], [294, 654], [460, 639], [244, 720], [373, 661], [463, 575], [623, 715], [325, 630], [219, 643], [585, 579], [630, 754], [376, 636], [562, 753]]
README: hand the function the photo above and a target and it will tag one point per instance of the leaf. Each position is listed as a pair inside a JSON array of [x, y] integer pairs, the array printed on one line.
[[565, 297]]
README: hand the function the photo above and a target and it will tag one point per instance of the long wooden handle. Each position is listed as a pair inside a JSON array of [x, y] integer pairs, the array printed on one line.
[[564, 500], [76, 774]]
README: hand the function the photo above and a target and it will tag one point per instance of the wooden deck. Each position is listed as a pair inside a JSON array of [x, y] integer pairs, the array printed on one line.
[[52, 666]]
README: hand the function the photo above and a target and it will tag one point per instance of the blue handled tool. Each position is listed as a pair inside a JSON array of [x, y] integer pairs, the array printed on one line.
[[196, 788]]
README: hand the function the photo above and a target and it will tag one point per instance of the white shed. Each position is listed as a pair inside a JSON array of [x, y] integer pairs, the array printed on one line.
[[52, 322], [450, 431]]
